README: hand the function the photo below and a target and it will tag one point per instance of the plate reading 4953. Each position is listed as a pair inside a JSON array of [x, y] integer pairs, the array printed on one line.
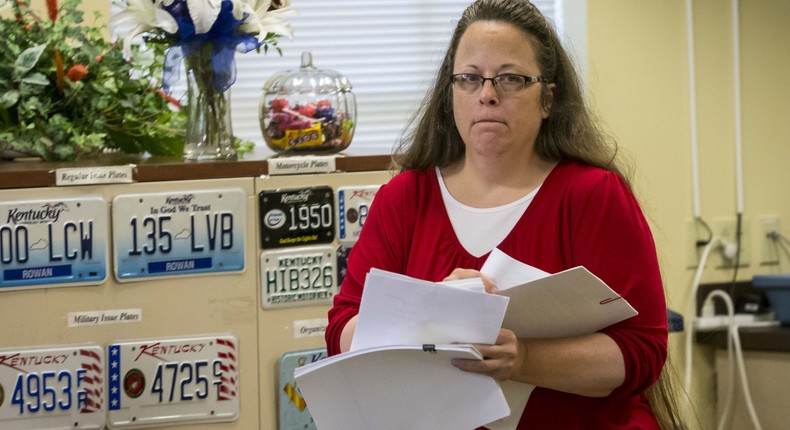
[[178, 233], [173, 381], [60, 387]]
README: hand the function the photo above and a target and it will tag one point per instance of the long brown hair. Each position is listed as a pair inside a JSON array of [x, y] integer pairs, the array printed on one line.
[[569, 133]]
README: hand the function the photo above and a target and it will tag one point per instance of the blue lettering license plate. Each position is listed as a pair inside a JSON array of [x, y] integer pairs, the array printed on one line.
[[298, 276], [173, 381], [353, 204], [60, 387], [293, 412], [178, 233], [297, 217], [53, 242]]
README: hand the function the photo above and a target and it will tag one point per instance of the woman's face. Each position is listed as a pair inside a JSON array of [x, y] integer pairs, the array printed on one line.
[[489, 120]]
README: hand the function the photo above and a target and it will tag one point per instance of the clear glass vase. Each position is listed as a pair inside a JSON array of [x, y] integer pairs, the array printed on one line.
[[209, 134]]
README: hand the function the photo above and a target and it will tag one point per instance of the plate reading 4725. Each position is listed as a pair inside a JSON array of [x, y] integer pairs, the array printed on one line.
[[60, 387], [178, 233], [173, 381]]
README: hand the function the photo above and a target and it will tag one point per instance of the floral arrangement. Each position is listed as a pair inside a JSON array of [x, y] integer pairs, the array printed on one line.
[[66, 92], [205, 35]]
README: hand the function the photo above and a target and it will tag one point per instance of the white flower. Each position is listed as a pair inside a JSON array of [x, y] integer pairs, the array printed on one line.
[[261, 20], [204, 13], [145, 15]]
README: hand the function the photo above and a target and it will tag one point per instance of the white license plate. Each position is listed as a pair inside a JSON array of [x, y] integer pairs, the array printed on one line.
[[173, 381], [298, 276], [60, 387], [178, 233], [353, 204], [53, 242]]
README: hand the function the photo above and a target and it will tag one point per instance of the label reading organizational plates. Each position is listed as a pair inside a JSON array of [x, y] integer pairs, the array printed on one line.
[[53, 242], [298, 276], [353, 204], [173, 381], [59, 387], [178, 233], [297, 217]]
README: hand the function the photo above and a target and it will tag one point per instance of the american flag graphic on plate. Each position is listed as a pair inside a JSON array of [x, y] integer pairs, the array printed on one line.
[[173, 381], [52, 387]]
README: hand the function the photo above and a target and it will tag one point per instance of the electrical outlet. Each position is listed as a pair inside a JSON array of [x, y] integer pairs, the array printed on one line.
[[769, 250], [725, 229]]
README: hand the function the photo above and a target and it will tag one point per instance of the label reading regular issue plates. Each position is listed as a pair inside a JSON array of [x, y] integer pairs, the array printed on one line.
[[58, 387], [353, 204], [298, 276], [178, 233], [53, 242], [173, 381]]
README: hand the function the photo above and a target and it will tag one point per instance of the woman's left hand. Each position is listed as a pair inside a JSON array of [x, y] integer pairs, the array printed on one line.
[[501, 360]]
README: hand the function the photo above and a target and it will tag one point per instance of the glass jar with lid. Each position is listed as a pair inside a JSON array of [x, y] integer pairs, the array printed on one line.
[[307, 110]]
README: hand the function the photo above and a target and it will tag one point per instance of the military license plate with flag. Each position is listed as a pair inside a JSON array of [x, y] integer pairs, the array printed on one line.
[[58, 387], [53, 242], [173, 381], [178, 233], [353, 204]]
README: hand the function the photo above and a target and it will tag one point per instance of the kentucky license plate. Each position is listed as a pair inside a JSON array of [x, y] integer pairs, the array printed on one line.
[[298, 276], [178, 233], [353, 204], [173, 381], [293, 412], [60, 387], [297, 217], [53, 242]]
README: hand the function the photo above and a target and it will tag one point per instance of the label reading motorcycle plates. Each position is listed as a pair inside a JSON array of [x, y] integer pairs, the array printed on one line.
[[353, 204], [298, 276], [295, 217], [59, 387], [53, 242], [293, 412], [178, 233], [173, 381]]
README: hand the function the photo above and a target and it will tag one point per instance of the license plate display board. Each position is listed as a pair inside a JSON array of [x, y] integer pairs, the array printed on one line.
[[178, 233], [293, 412], [298, 276], [173, 381], [59, 387], [353, 204], [53, 242], [296, 217]]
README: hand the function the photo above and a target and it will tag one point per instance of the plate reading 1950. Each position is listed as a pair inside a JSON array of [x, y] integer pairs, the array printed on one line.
[[59, 387], [53, 242], [298, 276], [295, 217], [173, 381], [178, 233]]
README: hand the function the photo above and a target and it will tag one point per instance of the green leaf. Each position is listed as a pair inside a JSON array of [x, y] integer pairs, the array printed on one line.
[[35, 79], [9, 98], [28, 59]]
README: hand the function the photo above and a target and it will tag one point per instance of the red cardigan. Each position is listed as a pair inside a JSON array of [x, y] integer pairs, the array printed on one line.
[[581, 216]]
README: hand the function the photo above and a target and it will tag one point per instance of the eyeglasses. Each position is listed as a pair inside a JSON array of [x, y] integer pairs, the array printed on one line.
[[508, 82]]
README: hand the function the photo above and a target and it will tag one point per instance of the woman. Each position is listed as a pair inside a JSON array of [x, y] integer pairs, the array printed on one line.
[[504, 154]]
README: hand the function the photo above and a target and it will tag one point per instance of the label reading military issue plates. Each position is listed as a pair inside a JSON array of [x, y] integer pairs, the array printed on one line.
[[178, 233], [295, 217], [173, 381], [53, 242], [298, 276], [353, 204], [59, 387]]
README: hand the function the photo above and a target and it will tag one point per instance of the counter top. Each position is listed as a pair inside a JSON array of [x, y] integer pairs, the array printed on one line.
[[33, 172]]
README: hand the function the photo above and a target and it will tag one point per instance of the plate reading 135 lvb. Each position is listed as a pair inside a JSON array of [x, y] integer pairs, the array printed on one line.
[[53, 242], [59, 387], [296, 217], [178, 233], [173, 381]]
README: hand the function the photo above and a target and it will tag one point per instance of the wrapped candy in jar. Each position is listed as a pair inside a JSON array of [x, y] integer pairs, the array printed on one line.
[[307, 110]]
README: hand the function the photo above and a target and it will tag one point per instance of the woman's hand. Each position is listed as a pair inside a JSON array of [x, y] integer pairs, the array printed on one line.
[[470, 273], [500, 361]]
